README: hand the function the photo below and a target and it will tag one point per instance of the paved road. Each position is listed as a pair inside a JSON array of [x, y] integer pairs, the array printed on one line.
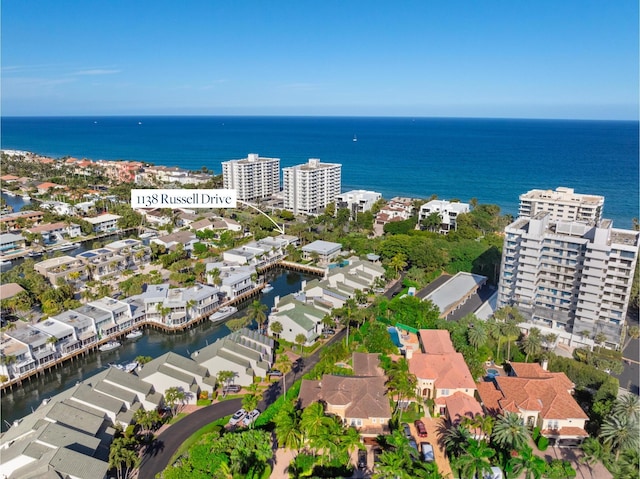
[[167, 443]]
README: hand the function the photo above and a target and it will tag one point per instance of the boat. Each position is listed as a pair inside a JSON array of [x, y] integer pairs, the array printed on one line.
[[130, 367], [267, 288], [65, 247], [26, 197], [110, 346], [34, 254], [135, 334], [355, 138], [223, 313]]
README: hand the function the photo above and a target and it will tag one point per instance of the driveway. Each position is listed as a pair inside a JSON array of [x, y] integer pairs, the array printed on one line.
[[167, 443]]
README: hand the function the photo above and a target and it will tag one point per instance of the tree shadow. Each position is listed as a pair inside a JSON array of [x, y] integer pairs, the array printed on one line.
[[156, 447]]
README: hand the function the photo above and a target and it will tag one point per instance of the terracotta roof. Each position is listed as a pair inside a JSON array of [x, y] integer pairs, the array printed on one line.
[[566, 431], [460, 405], [436, 341], [448, 370], [535, 371], [8, 178], [48, 184], [548, 396]]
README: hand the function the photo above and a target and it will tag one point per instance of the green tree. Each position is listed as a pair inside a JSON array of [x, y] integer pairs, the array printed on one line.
[[509, 432], [527, 462], [173, 397], [250, 402], [398, 263], [287, 426], [226, 378], [284, 365], [276, 328], [475, 460], [620, 433], [401, 382], [256, 311], [122, 457], [532, 343], [300, 340], [627, 406], [455, 439], [477, 335]]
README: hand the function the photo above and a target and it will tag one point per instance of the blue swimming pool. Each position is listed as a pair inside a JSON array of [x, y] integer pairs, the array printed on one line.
[[393, 332], [492, 373]]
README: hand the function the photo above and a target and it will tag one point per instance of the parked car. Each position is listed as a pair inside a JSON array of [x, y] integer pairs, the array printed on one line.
[[406, 429], [237, 417], [231, 389], [362, 459], [420, 427], [414, 445], [274, 372], [427, 452], [252, 416], [328, 332]]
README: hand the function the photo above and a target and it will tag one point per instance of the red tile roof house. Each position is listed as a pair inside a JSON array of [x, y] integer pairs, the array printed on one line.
[[541, 399], [443, 376]]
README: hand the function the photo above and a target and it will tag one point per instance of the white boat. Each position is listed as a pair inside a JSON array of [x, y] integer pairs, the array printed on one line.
[[130, 367], [135, 334], [26, 197], [267, 288], [65, 247], [223, 313], [355, 138], [110, 346]]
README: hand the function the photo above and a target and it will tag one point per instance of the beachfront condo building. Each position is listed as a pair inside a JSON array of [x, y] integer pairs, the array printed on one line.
[[571, 277], [447, 211], [563, 204], [309, 187], [357, 201], [253, 177]]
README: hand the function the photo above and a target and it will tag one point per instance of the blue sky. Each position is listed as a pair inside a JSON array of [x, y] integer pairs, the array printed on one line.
[[521, 59]]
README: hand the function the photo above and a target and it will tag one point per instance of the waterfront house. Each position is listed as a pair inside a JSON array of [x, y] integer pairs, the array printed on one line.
[[105, 223], [541, 398], [155, 217], [102, 320], [360, 400], [440, 370], [357, 201], [65, 339], [186, 238], [296, 317], [132, 250], [84, 395], [247, 353], [322, 251], [62, 267], [41, 350], [55, 232], [172, 370], [119, 311], [261, 253], [20, 219], [102, 262], [84, 330], [59, 207], [11, 243], [47, 186], [397, 209], [18, 359], [233, 279], [447, 212], [144, 391]]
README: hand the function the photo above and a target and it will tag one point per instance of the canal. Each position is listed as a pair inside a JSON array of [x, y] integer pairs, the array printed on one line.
[[20, 402]]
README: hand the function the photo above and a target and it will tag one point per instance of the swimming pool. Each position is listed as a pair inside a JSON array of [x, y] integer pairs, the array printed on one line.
[[492, 373], [395, 337]]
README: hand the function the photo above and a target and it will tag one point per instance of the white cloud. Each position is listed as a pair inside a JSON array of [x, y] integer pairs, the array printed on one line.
[[97, 71]]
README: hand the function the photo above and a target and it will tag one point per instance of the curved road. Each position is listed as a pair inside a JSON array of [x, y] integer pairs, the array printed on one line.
[[157, 457]]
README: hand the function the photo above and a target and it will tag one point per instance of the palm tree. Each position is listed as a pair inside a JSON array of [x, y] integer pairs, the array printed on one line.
[[401, 382], [349, 308], [455, 439], [620, 433], [300, 340], [532, 465], [283, 364], [287, 421], [593, 451], [173, 396], [627, 406], [532, 343], [313, 420], [511, 331], [509, 432], [475, 460], [398, 263], [256, 311], [276, 328], [189, 306], [633, 332], [483, 423], [250, 402], [225, 377], [122, 457], [477, 335]]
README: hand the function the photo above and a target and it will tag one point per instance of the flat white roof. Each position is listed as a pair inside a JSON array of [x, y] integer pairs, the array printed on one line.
[[455, 289], [322, 247], [102, 218]]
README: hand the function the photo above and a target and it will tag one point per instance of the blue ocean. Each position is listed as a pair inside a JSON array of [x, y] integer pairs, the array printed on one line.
[[493, 160]]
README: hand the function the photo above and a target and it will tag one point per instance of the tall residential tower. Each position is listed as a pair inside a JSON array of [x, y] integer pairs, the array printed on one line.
[[253, 178], [563, 204], [310, 187]]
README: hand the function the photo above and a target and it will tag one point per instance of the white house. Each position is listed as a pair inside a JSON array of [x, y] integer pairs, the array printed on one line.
[[233, 279], [104, 223], [326, 251], [447, 211], [296, 317]]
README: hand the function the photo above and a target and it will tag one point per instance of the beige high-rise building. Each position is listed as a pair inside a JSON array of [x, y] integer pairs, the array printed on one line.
[[253, 178], [309, 187], [569, 276], [563, 204]]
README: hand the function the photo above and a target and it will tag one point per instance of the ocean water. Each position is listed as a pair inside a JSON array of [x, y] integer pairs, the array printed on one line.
[[493, 160]]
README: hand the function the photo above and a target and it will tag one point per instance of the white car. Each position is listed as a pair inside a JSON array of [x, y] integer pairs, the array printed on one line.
[[249, 418], [237, 417]]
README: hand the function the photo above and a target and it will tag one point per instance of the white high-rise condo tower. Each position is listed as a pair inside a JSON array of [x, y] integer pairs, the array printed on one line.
[[310, 187], [253, 178]]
